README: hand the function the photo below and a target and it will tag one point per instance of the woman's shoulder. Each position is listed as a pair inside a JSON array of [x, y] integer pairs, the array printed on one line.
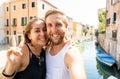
[[24, 49], [25, 57]]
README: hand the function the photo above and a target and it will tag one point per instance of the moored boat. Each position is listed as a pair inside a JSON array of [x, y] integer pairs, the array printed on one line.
[[105, 58]]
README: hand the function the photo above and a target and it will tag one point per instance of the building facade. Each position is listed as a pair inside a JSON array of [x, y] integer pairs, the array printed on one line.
[[112, 37], [17, 14], [77, 31], [2, 34]]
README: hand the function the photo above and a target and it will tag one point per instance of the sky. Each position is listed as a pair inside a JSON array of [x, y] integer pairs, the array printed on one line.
[[1, 1], [83, 11]]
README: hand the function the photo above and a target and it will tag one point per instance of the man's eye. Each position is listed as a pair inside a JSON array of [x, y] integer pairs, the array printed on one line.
[[49, 25], [58, 24]]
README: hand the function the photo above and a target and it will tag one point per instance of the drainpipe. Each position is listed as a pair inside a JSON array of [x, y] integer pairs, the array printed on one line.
[[28, 10], [9, 21], [10, 17]]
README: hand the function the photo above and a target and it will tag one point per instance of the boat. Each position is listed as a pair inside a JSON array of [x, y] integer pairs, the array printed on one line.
[[112, 77], [96, 43], [106, 71], [105, 58]]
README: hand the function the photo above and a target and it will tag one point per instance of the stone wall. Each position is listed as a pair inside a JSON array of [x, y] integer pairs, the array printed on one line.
[[101, 40], [111, 47], [118, 47], [107, 45], [118, 55]]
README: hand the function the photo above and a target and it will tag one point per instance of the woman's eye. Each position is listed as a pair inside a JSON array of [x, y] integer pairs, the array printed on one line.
[[37, 31]]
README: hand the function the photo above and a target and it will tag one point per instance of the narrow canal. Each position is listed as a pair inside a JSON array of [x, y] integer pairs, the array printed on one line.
[[94, 69]]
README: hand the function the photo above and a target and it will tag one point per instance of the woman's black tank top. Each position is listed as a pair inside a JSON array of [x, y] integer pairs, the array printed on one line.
[[36, 68]]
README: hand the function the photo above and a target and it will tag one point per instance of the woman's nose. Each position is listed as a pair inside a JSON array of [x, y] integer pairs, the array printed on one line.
[[42, 33]]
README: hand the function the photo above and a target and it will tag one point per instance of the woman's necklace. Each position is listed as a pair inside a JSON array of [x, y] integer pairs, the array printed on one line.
[[40, 59]]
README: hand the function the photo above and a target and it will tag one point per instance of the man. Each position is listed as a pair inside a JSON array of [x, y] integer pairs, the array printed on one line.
[[63, 60]]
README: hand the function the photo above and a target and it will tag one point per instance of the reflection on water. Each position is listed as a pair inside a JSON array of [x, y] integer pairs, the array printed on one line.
[[95, 69], [106, 71]]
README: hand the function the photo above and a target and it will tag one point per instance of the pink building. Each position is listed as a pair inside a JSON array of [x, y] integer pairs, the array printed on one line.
[[17, 13], [112, 39]]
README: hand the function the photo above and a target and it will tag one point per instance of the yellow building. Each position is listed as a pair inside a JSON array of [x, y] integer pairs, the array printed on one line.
[[17, 14], [77, 31]]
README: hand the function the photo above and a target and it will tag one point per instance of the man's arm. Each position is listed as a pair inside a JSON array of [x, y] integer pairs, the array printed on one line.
[[74, 62]]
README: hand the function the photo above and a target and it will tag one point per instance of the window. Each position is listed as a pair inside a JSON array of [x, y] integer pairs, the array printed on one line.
[[114, 1], [14, 7], [31, 17], [23, 21], [114, 34], [7, 33], [14, 32], [7, 22], [19, 39], [14, 22], [33, 4], [43, 6], [7, 9], [7, 39], [23, 6], [108, 21], [114, 17]]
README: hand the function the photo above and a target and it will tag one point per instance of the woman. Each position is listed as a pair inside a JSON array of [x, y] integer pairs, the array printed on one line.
[[28, 62]]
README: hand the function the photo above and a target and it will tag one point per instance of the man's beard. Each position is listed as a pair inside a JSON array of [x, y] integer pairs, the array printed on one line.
[[59, 41]]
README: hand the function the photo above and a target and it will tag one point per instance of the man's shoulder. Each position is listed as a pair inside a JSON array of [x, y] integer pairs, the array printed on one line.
[[72, 55], [73, 47], [73, 50]]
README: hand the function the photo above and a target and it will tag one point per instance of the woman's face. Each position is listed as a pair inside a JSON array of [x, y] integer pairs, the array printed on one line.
[[38, 33]]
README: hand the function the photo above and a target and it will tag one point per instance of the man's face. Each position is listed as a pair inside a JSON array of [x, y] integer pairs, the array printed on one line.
[[55, 28]]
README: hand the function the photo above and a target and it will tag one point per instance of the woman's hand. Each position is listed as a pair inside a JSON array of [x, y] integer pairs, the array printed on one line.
[[14, 56]]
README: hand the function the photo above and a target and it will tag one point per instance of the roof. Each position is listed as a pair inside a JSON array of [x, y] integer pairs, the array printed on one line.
[[49, 3]]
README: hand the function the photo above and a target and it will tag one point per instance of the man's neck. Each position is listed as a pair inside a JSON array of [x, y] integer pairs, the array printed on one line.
[[56, 48]]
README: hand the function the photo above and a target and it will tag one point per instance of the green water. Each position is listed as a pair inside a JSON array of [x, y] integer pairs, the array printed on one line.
[[94, 69]]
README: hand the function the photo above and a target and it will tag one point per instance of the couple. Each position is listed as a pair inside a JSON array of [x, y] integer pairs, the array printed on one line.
[[40, 58]]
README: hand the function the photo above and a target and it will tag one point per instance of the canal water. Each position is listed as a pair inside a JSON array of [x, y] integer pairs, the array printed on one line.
[[94, 69]]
